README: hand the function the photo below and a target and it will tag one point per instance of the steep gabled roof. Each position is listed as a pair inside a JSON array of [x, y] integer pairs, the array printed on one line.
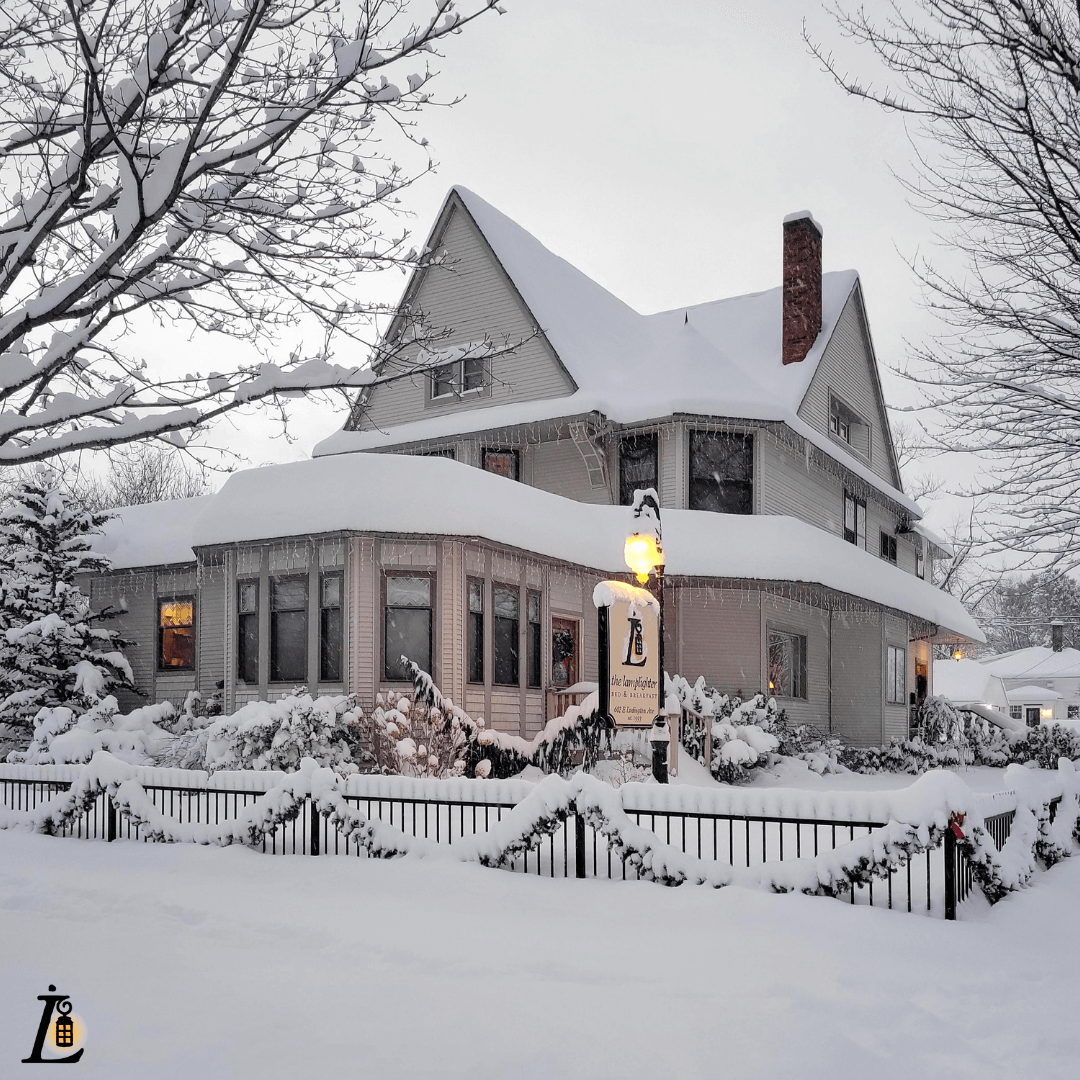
[[721, 358]]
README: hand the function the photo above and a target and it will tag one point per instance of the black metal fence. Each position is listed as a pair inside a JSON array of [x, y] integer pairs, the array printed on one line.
[[935, 881]]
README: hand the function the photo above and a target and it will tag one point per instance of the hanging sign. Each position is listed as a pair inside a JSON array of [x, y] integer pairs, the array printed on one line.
[[629, 630]]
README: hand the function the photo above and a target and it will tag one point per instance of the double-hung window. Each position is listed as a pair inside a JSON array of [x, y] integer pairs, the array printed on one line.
[[888, 547], [854, 520], [535, 640], [505, 632], [457, 379], [330, 627], [288, 629], [176, 634], [476, 631], [787, 664], [895, 675], [407, 624], [247, 626], [722, 472], [637, 466]]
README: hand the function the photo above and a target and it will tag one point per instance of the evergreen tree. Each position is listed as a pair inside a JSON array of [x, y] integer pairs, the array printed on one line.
[[50, 653]]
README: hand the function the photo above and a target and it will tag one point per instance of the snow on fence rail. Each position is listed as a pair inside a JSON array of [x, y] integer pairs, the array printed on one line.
[[829, 842]]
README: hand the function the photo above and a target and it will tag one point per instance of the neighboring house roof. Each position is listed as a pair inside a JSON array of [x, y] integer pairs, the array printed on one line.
[[1037, 662], [721, 358], [153, 534], [390, 493], [1033, 694], [967, 682]]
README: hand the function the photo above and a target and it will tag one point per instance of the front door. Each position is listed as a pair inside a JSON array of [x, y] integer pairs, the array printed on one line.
[[1031, 714], [564, 652]]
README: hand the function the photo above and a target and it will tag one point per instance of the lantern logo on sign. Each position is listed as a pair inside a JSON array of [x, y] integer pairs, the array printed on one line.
[[635, 653], [63, 1035]]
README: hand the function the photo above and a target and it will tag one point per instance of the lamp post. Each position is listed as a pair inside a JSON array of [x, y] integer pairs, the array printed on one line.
[[644, 555]]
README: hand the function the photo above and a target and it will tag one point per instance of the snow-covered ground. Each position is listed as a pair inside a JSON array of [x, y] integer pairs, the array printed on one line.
[[191, 961]]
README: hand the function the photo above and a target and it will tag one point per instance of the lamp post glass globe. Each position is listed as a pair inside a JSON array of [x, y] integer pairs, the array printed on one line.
[[958, 653], [642, 555]]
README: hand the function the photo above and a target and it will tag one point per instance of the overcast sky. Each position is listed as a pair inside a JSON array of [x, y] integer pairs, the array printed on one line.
[[658, 146]]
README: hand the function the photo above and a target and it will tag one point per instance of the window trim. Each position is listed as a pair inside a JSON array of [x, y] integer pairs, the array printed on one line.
[[888, 540], [458, 390], [175, 598], [321, 607], [305, 577], [901, 699], [516, 590], [241, 581], [746, 436], [847, 417], [399, 571], [501, 450], [803, 669], [469, 613], [636, 437], [851, 536]]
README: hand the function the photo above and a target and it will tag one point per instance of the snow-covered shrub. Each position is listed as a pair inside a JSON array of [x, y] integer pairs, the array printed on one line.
[[413, 741], [279, 734], [63, 737], [51, 656], [1044, 745], [938, 721]]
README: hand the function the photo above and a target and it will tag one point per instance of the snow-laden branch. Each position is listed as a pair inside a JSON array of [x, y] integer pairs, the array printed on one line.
[[225, 168]]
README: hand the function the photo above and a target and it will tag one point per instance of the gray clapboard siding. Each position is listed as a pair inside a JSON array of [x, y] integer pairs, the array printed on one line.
[[211, 622], [813, 624], [363, 654], [559, 467], [131, 594], [848, 369], [789, 485], [472, 298], [857, 678], [719, 636]]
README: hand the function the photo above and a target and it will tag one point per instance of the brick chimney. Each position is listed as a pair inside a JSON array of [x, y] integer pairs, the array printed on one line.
[[1057, 634], [802, 285]]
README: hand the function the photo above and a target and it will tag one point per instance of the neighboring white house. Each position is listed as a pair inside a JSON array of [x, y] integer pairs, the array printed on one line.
[[967, 682], [1043, 684]]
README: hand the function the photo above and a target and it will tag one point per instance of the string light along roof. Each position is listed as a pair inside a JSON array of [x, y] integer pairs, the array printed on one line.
[[404, 495], [721, 358]]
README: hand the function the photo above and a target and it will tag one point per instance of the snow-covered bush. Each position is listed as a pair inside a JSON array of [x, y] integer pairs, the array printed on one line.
[[414, 741], [63, 737], [51, 656], [938, 721], [279, 734]]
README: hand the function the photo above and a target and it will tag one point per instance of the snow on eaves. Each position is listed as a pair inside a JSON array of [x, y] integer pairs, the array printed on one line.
[[153, 534], [721, 358], [403, 494]]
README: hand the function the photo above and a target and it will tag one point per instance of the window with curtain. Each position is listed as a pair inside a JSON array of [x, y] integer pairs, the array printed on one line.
[[330, 627], [722, 472], [505, 626], [406, 624], [247, 651], [176, 634], [637, 466], [476, 631], [288, 629]]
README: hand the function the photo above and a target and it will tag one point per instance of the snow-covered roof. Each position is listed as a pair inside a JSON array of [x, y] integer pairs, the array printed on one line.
[[153, 534], [1033, 694], [967, 682], [934, 538], [721, 358], [1037, 662], [397, 493]]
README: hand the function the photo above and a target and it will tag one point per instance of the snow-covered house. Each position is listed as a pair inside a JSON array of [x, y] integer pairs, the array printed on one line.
[[967, 682], [1043, 683], [463, 516]]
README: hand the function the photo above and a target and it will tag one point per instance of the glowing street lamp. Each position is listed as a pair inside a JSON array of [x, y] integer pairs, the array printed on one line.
[[643, 554], [958, 653]]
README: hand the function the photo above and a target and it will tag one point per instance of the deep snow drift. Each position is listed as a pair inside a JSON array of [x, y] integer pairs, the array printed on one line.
[[221, 962]]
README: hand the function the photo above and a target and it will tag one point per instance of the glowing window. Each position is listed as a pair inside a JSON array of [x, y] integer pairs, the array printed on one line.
[[176, 634]]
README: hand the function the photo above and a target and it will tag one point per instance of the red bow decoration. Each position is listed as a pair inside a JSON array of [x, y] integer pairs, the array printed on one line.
[[955, 821]]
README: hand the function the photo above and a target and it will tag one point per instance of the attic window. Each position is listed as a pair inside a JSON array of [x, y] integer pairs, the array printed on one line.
[[456, 379], [846, 426]]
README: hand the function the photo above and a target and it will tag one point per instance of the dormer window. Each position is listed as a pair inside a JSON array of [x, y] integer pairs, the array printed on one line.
[[457, 379], [846, 426]]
